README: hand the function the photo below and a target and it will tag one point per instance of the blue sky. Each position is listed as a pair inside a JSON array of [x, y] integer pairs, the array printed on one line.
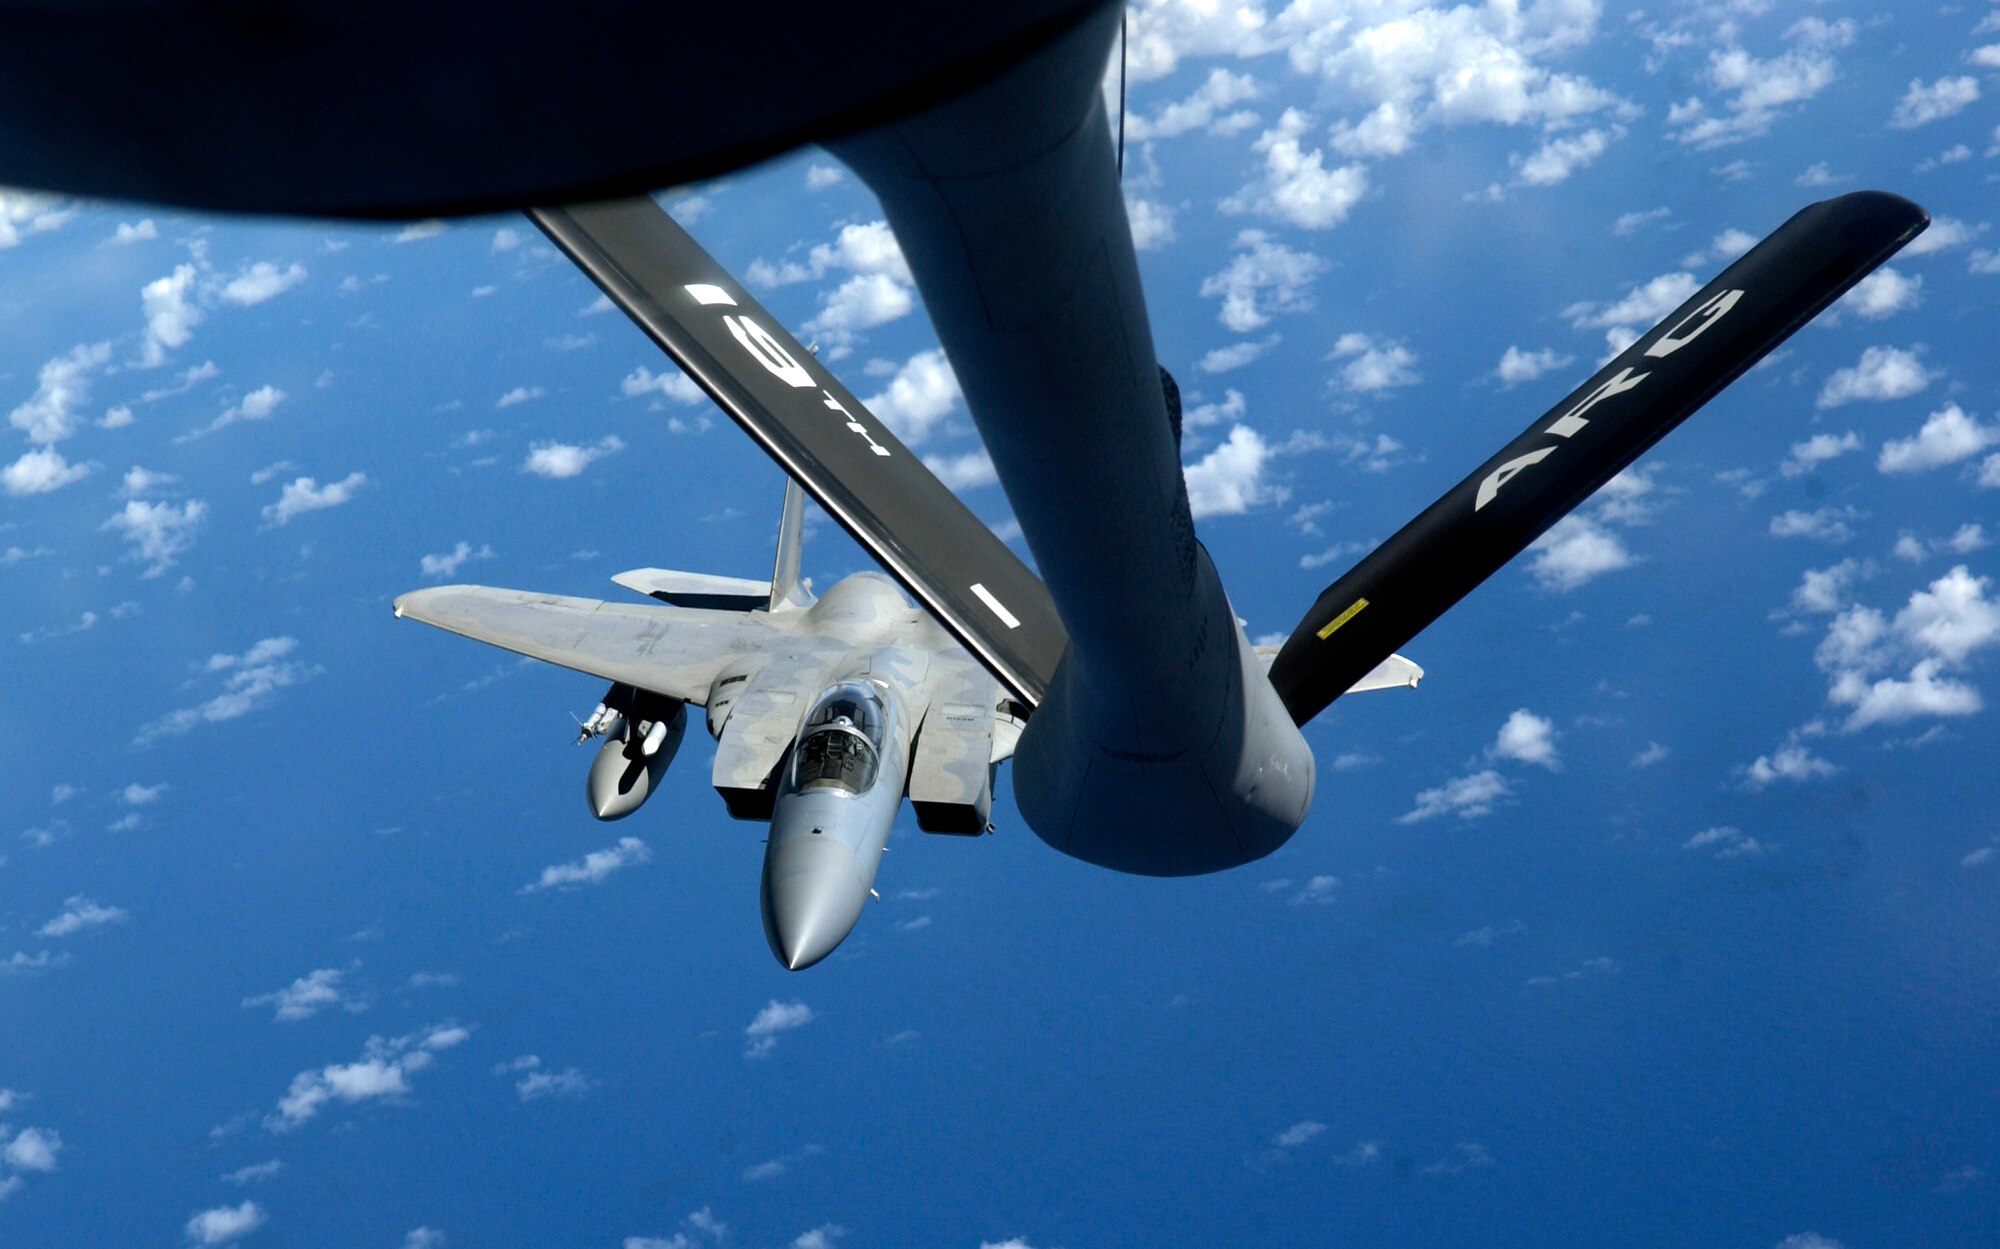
[[1663, 913]]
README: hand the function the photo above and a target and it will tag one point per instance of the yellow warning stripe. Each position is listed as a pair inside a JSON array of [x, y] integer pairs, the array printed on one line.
[[1342, 618]]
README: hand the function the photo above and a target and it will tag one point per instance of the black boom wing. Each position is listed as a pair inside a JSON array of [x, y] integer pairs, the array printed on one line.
[[816, 429], [1584, 441]]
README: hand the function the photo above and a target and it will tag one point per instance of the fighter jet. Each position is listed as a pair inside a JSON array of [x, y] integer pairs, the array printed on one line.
[[826, 712]]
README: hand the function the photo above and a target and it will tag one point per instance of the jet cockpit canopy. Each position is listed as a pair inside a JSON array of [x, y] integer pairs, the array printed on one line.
[[841, 743]]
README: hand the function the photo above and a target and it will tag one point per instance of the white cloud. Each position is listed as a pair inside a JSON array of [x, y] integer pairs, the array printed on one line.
[[669, 382], [158, 532], [1652, 754], [537, 1083], [1882, 373], [1938, 630], [776, 1017], [254, 677], [440, 566], [417, 231], [1631, 223], [258, 405], [304, 494], [557, 460], [1469, 797], [254, 1172], [1561, 156], [862, 302], [1639, 310], [1948, 436], [506, 239], [1152, 223], [820, 177], [1527, 738], [1944, 232], [40, 471], [1296, 187], [1210, 105], [225, 1223], [1575, 551], [1298, 1134], [1763, 88], [1264, 278], [261, 281], [26, 212], [593, 868], [1808, 1240], [919, 396], [1883, 293], [1229, 480], [79, 913], [33, 1149], [1823, 591], [1790, 762], [1924, 103], [52, 413], [309, 995], [1237, 354], [1518, 366], [1373, 365], [424, 1238], [1817, 450], [1826, 524], [518, 395], [382, 1072], [1983, 261], [170, 315], [139, 480], [1230, 409]]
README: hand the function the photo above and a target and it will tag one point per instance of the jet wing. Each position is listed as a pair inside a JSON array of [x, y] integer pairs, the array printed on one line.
[[821, 435], [675, 651]]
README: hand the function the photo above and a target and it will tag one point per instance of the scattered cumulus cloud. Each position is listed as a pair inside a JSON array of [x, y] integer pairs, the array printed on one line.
[[920, 395], [593, 868], [1925, 102], [159, 532], [439, 567], [223, 1224], [305, 494], [1883, 293], [78, 914], [1373, 365], [382, 1072], [1807, 456], [1229, 480], [316, 991], [250, 681], [1297, 188], [1517, 366], [261, 281], [1263, 279], [669, 383], [1948, 436], [1882, 373], [1527, 738], [559, 460], [1467, 797], [775, 1019]]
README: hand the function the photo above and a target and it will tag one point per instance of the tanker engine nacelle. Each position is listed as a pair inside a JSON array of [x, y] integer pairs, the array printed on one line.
[[642, 732]]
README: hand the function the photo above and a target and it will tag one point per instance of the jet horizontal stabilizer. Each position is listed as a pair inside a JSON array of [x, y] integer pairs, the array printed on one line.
[[1584, 441]]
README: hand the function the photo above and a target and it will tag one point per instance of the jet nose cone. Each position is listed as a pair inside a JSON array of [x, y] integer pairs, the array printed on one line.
[[812, 897]]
